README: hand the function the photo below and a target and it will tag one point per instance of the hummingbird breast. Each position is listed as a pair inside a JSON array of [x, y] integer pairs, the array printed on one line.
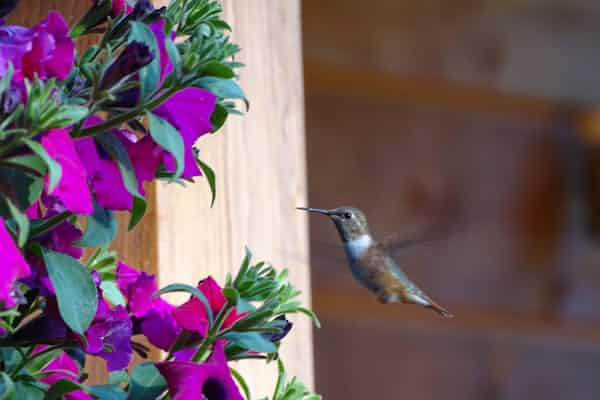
[[374, 268]]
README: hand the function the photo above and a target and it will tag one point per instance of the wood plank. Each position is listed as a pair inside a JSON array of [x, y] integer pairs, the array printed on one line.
[[364, 358], [529, 47], [469, 320], [330, 79], [260, 166]]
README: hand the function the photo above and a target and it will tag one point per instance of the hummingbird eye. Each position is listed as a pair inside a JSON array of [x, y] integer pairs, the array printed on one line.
[[347, 215]]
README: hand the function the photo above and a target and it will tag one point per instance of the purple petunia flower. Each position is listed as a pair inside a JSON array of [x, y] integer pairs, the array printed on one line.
[[210, 380], [15, 41], [46, 50], [52, 50], [189, 111], [154, 316], [13, 267], [192, 315], [66, 368], [72, 188], [104, 177], [109, 336]]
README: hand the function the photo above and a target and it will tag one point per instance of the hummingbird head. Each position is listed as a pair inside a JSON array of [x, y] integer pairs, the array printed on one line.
[[350, 222]]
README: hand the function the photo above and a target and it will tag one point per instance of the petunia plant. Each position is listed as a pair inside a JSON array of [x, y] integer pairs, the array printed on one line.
[[81, 133]]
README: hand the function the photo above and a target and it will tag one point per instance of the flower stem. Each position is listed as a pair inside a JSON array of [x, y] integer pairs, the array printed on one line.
[[31, 358], [200, 355], [122, 118]]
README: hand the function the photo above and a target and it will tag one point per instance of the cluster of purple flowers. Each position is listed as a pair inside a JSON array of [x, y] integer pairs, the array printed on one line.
[[91, 178]]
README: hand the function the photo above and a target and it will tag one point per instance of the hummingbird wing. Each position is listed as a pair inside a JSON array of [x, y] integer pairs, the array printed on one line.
[[397, 242]]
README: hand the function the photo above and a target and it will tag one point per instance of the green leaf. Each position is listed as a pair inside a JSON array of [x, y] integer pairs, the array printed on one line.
[[174, 55], [146, 382], [251, 341], [150, 74], [137, 211], [7, 387], [101, 228], [107, 392], [21, 188], [223, 88], [169, 138], [75, 290], [218, 117], [231, 295], [211, 178], [181, 287], [241, 382], [30, 162], [66, 115], [29, 391], [22, 222], [218, 70], [118, 378], [6, 79], [114, 147], [111, 292], [62, 387], [54, 168]]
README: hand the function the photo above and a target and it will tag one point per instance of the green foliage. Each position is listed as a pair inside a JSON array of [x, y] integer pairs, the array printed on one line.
[[75, 290], [146, 382]]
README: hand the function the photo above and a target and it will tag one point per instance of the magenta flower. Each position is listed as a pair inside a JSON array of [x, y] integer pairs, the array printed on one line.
[[13, 267], [72, 188], [210, 380], [192, 314], [159, 326], [145, 156], [66, 368], [103, 176], [52, 50], [109, 336], [189, 111], [154, 316], [137, 287]]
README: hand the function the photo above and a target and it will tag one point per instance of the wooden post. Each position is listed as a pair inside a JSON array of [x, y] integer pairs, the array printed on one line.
[[260, 164]]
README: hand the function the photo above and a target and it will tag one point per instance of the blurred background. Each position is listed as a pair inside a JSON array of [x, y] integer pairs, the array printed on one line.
[[477, 115]]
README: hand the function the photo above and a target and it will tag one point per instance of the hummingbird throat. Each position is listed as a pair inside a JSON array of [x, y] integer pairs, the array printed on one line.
[[355, 248]]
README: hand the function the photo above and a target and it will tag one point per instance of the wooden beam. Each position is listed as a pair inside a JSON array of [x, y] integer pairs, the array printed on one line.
[[259, 160], [346, 81], [468, 320]]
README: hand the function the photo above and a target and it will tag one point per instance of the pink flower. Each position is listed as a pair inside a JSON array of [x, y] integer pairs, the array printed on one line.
[[192, 314], [13, 267], [52, 50], [72, 188]]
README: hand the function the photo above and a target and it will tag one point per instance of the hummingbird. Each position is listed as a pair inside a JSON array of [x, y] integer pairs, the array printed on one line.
[[372, 263]]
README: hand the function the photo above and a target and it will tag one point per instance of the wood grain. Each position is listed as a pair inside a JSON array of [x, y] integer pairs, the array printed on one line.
[[260, 166]]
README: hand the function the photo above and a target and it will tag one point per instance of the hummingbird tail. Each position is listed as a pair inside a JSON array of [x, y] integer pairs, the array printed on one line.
[[424, 300], [440, 310]]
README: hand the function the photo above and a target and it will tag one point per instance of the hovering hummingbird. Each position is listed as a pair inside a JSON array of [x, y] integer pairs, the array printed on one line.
[[372, 264]]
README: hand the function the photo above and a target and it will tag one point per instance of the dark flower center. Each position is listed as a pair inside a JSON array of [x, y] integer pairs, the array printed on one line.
[[213, 390]]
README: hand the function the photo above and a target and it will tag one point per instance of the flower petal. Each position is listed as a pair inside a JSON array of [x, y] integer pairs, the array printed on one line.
[[13, 266], [72, 188]]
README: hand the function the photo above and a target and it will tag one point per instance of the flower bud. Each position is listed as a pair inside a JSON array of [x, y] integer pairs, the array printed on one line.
[[10, 100], [135, 56]]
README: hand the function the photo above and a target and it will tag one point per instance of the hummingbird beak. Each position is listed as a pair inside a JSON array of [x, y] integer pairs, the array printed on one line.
[[315, 210]]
